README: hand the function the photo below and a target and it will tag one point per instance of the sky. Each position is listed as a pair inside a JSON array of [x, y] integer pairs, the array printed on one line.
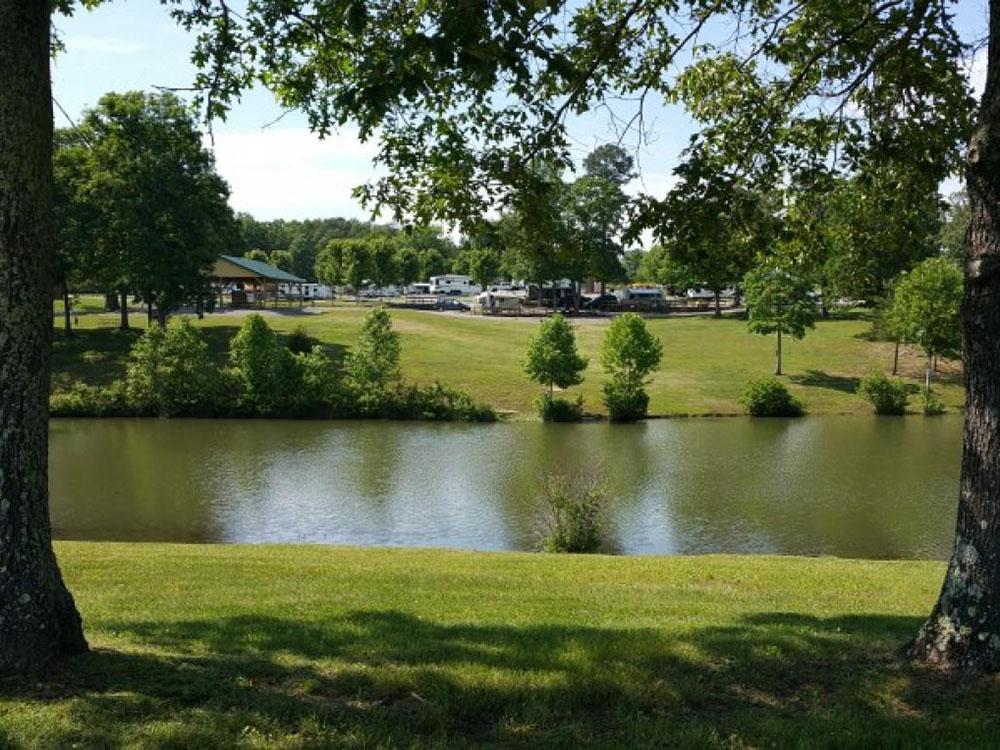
[[282, 170]]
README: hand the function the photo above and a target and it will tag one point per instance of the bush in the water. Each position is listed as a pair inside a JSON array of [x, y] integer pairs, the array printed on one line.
[[768, 397], [555, 409], [886, 396], [574, 515], [170, 373]]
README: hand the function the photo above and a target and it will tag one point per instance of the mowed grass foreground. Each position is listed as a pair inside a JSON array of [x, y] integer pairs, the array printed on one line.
[[706, 362], [222, 646]]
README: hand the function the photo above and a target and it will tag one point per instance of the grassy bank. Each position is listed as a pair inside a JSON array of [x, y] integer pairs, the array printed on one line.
[[706, 362], [202, 646]]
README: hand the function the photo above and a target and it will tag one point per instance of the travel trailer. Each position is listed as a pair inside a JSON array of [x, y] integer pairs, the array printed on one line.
[[453, 284]]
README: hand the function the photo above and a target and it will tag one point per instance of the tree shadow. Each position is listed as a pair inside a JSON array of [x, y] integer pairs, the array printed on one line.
[[391, 678], [821, 379]]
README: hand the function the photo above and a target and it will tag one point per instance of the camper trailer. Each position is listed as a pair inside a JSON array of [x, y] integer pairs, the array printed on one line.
[[453, 284], [642, 294]]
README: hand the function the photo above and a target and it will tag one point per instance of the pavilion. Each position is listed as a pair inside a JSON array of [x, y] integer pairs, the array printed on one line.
[[252, 283]]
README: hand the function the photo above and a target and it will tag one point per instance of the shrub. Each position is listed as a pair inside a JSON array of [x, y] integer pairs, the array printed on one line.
[[574, 515], [768, 397], [552, 409], [887, 396], [626, 400], [300, 342], [438, 403], [83, 400], [933, 406], [170, 373]]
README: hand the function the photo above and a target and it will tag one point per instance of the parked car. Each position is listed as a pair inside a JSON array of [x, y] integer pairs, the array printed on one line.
[[444, 303], [600, 302]]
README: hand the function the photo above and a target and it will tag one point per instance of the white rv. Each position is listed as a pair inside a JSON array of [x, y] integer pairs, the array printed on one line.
[[453, 284], [637, 293]]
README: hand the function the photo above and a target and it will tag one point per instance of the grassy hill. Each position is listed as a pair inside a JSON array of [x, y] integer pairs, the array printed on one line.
[[223, 646], [706, 361]]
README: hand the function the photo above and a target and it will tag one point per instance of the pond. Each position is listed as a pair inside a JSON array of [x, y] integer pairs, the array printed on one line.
[[846, 486]]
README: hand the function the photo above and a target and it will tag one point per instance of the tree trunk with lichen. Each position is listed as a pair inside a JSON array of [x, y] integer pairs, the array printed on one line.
[[963, 631], [38, 619]]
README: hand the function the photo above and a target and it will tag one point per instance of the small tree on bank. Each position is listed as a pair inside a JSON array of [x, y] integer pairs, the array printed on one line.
[[778, 302], [629, 354], [925, 310], [552, 359], [373, 364]]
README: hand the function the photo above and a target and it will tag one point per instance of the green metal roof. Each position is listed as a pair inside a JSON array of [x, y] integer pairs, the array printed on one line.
[[259, 267]]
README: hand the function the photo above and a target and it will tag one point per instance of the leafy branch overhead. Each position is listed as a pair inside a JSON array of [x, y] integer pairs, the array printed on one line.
[[467, 99]]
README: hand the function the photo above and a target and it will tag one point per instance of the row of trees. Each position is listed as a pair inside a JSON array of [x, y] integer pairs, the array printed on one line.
[[848, 236], [172, 373], [298, 246], [922, 308], [629, 354]]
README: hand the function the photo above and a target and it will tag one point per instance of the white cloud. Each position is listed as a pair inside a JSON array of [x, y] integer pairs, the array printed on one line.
[[104, 45], [290, 173]]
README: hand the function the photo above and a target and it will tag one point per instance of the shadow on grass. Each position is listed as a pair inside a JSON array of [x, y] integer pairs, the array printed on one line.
[[821, 379], [389, 678]]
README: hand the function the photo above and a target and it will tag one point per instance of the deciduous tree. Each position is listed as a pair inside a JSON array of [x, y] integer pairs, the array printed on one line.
[[778, 301], [925, 310]]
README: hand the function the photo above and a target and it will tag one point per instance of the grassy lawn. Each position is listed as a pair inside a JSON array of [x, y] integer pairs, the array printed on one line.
[[205, 646], [706, 361]]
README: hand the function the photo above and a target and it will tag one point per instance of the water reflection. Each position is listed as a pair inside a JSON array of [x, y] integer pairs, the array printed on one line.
[[858, 487]]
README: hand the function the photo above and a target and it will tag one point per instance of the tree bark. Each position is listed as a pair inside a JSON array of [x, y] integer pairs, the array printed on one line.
[[777, 355], [895, 359], [963, 631], [38, 619], [124, 311], [67, 313], [927, 374], [718, 304]]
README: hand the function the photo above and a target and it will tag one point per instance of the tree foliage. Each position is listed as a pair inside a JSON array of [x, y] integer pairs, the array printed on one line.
[[778, 301], [142, 208], [552, 358], [373, 363], [925, 308]]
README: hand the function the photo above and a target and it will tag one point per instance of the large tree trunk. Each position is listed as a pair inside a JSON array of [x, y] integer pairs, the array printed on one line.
[[963, 631], [124, 311], [38, 619]]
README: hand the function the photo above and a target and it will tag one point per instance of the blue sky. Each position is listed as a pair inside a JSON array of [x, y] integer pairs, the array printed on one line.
[[284, 171]]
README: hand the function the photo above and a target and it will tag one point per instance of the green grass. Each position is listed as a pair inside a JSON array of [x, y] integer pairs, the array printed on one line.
[[706, 365], [205, 646]]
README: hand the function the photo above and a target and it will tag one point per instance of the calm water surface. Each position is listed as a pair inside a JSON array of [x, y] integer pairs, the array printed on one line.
[[852, 487]]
